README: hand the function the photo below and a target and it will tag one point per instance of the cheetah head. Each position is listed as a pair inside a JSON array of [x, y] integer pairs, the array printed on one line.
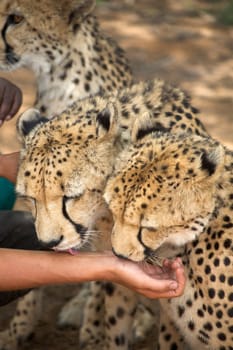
[[33, 33], [162, 194], [64, 166]]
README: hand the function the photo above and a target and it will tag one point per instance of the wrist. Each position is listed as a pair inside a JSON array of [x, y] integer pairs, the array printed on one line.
[[105, 265], [112, 267]]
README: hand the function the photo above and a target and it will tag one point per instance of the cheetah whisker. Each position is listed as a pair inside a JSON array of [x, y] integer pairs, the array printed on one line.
[[155, 260]]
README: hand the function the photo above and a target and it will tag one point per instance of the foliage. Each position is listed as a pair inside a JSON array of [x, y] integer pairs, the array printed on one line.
[[225, 16]]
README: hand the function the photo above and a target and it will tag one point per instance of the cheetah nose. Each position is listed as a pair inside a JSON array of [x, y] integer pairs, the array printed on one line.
[[51, 244]]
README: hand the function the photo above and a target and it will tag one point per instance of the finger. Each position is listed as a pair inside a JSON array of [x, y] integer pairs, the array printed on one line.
[[170, 266], [176, 263], [11, 100], [17, 101], [6, 102], [163, 285], [162, 289], [177, 273], [168, 289], [180, 278], [1, 104]]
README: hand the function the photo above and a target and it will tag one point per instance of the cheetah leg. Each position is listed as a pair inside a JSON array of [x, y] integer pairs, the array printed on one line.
[[71, 315], [169, 337], [23, 323], [92, 334], [146, 319], [108, 317], [120, 308], [110, 321]]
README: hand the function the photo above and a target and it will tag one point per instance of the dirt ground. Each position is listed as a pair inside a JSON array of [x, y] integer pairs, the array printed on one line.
[[180, 42]]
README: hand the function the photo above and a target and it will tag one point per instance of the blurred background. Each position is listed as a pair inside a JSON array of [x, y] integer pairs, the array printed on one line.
[[189, 43]]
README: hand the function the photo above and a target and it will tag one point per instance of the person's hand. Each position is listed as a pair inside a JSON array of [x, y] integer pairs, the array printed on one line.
[[152, 281], [10, 100]]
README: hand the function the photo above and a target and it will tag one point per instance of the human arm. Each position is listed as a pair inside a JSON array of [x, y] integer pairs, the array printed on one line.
[[9, 166], [10, 100], [28, 269]]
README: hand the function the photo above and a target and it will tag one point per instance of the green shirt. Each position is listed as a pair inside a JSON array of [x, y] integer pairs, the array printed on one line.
[[7, 194]]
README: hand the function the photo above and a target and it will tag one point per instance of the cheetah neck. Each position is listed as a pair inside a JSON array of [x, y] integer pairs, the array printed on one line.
[[73, 72]]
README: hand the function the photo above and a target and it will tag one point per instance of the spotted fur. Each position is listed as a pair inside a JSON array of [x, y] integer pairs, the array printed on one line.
[[75, 153], [172, 195], [62, 43], [65, 164]]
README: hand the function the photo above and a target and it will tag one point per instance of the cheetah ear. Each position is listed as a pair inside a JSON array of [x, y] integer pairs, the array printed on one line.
[[28, 121], [146, 125], [106, 121], [80, 9], [212, 161]]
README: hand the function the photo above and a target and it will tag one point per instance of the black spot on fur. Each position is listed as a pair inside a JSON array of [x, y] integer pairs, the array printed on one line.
[[109, 288], [181, 310]]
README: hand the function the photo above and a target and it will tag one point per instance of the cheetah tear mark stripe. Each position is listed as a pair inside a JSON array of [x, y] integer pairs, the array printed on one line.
[[80, 229], [147, 250]]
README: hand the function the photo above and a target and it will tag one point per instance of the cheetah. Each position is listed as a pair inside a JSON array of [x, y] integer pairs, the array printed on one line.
[[171, 195], [73, 155], [61, 42]]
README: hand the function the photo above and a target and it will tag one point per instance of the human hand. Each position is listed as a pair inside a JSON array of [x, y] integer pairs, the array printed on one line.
[[152, 281], [10, 100]]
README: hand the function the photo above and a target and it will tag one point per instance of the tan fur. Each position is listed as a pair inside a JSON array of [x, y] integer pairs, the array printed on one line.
[[62, 43], [73, 154], [66, 162], [172, 195], [164, 187]]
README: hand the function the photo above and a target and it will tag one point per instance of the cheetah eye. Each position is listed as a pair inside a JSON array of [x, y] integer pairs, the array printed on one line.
[[15, 19], [74, 198], [149, 228]]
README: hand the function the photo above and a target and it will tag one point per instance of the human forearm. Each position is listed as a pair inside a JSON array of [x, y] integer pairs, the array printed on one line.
[[21, 269]]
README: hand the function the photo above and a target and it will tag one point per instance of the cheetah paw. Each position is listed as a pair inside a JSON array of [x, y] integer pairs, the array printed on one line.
[[71, 315]]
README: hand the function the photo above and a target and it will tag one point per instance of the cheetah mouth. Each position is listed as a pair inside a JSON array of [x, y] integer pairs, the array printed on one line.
[[72, 248], [72, 251]]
